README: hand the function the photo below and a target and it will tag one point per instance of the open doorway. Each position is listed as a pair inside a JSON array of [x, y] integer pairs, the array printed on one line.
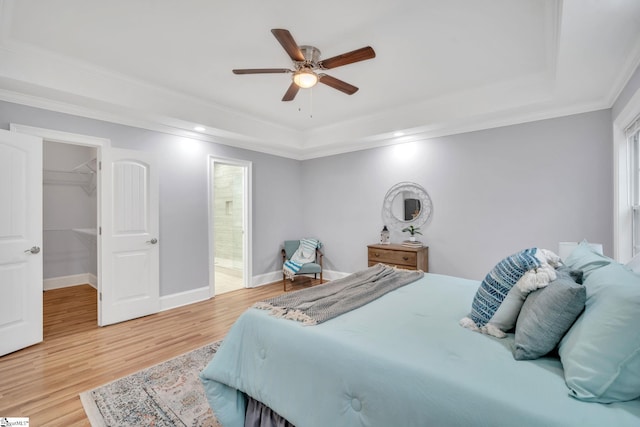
[[229, 224], [70, 189], [127, 215], [69, 231], [69, 196]]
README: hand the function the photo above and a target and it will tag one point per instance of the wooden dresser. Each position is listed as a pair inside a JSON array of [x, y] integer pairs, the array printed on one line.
[[399, 256]]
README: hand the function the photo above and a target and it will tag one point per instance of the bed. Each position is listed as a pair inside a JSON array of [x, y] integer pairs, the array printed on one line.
[[402, 359]]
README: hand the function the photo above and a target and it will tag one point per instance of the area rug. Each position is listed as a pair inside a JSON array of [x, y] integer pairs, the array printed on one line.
[[167, 394]]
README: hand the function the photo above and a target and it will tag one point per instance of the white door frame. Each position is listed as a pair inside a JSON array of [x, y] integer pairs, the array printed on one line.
[[246, 220], [102, 146]]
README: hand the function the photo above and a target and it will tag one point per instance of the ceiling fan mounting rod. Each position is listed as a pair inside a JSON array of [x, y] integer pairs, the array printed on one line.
[[310, 53], [305, 66]]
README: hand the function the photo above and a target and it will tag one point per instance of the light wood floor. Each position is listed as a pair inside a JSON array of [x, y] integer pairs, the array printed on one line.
[[43, 381], [227, 279]]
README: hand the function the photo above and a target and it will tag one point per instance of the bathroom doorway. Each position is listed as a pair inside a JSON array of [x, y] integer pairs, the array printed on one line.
[[229, 224]]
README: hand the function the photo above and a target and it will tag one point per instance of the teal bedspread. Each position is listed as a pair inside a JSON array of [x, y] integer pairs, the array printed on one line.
[[401, 360]]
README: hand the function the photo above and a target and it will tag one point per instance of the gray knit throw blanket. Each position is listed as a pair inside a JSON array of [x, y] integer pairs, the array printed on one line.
[[320, 303]]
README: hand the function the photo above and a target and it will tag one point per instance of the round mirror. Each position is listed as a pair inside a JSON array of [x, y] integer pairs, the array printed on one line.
[[406, 204]]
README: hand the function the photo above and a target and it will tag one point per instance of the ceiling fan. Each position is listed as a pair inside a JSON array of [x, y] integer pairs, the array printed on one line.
[[307, 63]]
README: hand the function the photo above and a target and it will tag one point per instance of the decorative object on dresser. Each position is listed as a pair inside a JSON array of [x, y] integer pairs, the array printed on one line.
[[399, 256], [384, 236], [412, 243], [412, 231]]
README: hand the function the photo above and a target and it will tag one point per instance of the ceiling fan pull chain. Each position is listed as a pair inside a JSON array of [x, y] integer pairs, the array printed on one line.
[[311, 103]]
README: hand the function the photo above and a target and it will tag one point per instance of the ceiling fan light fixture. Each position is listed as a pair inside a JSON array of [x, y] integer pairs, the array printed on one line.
[[305, 78]]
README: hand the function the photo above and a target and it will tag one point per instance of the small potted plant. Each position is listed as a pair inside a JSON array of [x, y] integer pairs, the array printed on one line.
[[412, 232]]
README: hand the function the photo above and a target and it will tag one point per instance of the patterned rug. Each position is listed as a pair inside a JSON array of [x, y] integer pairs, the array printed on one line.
[[167, 394]]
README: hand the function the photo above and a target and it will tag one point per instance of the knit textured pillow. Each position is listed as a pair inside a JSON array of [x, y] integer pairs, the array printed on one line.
[[497, 284], [523, 272]]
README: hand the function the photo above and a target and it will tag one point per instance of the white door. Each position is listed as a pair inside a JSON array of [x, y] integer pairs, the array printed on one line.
[[20, 241], [129, 258]]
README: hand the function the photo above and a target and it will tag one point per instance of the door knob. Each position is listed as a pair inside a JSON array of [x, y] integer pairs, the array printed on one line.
[[33, 250], [153, 241]]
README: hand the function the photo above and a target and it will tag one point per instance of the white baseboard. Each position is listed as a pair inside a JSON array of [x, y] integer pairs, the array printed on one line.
[[93, 280], [68, 281], [333, 275], [275, 276], [179, 299], [264, 279]]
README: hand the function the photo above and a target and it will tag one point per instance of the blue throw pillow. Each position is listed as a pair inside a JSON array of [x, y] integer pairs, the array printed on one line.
[[601, 352], [497, 284], [547, 314]]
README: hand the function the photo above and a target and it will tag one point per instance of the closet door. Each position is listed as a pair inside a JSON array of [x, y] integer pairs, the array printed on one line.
[[20, 241], [130, 284]]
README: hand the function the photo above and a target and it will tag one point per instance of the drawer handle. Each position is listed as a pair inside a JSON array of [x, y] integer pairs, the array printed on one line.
[[406, 258], [377, 254]]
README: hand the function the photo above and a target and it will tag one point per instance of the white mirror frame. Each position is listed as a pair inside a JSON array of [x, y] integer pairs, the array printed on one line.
[[420, 193]]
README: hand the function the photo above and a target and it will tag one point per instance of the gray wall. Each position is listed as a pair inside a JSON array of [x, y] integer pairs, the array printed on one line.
[[184, 194], [494, 192]]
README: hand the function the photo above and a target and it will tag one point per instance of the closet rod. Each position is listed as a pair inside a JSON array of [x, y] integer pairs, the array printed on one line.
[[68, 172], [89, 164]]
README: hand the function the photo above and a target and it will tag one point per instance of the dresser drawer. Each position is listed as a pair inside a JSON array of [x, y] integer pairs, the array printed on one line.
[[399, 256], [392, 257]]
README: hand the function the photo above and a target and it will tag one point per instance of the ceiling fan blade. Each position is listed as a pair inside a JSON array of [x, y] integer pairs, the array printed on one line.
[[262, 71], [357, 55], [291, 92], [338, 84], [288, 43]]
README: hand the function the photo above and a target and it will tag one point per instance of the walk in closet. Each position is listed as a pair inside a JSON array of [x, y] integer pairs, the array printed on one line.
[[69, 215]]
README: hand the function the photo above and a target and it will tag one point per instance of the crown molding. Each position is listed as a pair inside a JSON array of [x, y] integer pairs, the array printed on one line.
[[435, 130]]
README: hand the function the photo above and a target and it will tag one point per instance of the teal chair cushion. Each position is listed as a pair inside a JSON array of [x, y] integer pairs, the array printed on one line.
[[310, 267]]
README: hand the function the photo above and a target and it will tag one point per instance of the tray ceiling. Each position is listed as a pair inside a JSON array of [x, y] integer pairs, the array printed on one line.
[[441, 67]]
